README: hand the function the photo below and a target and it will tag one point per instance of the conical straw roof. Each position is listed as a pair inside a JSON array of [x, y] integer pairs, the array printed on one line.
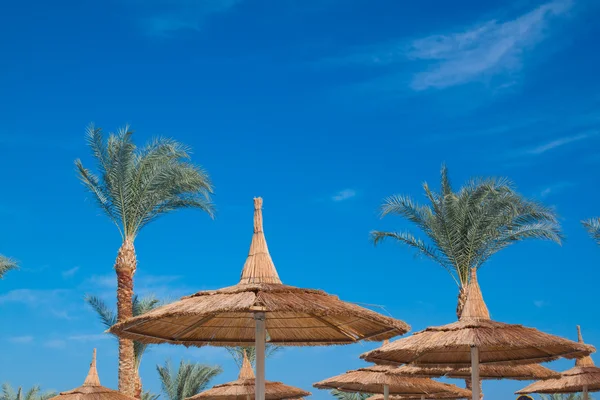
[[584, 374], [294, 316], [372, 380], [500, 343], [244, 387], [91, 389], [528, 372]]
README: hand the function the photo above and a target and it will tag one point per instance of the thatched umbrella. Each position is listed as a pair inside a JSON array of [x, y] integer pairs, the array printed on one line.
[[475, 339], [378, 379], [527, 372], [91, 388], [245, 388], [259, 309], [440, 396], [584, 377]]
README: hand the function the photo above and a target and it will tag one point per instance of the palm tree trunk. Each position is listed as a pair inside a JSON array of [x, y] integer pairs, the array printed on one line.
[[138, 386], [125, 268], [462, 298], [469, 385]]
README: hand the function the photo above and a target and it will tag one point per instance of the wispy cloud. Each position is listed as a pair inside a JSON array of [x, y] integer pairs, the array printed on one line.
[[344, 195], [560, 142], [21, 339], [539, 303], [555, 188], [90, 337], [69, 272], [55, 344], [164, 18], [31, 297], [479, 52]]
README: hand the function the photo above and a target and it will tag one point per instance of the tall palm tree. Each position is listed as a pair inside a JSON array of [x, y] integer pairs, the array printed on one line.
[[35, 393], [237, 353], [338, 394], [6, 264], [592, 225], [133, 187], [187, 381], [108, 318], [464, 228]]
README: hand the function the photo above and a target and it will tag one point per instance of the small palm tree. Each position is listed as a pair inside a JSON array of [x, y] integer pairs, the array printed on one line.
[[464, 228], [592, 225], [6, 264], [338, 394], [35, 393], [134, 187], [237, 353], [187, 381], [108, 318]]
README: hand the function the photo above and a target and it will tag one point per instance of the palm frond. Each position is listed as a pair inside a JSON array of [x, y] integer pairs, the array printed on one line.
[[148, 395], [34, 393], [592, 225], [134, 186], [237, 352], [7, 264], [338, 394], [188, 380]]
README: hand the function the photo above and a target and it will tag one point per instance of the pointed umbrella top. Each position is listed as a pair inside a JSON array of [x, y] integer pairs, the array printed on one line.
[[246, 372], [475, 308], [92, 378], [583, 361], [259, 267]]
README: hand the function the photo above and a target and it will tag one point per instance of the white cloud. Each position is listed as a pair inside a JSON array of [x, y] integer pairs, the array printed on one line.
[[31, 297], [21, 339], [560, 142], [539, 303], [90, 337], [55, 344], [477, 52], [555, 188], [165, 17], [344, 195], [69, 273]]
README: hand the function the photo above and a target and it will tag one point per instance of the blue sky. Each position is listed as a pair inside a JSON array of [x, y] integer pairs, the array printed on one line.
[[323, 107]]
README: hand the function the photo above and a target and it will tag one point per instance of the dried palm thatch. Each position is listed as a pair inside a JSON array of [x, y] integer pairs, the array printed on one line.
[[584, 377], [91, 388], [497, 342], [373, 379], [293, 316], [244, 387], [527, 372], [439, 396]]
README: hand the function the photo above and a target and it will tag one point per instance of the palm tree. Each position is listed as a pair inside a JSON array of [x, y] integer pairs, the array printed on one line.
[[464, 229], [108, 318], [338, 394], [133, 188], [592, 225], [147, 395], [237, 353], [6, 264], [35, 393], [188, 380]]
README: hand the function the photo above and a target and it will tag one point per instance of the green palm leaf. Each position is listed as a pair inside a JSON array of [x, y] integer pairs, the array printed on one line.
[[6, 264], [592, 225], [187, 380], [338, 394]]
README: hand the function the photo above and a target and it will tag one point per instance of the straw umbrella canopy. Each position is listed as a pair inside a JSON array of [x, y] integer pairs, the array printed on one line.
[[439, 396], [527, 372], [475, 339], [244, 388], [91, 388], [259, 309], [584, 377], [378, 379]]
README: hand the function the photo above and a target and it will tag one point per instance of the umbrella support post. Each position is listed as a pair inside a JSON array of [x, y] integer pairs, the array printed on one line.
[[260, 341], [585, 393], [386, 392], [475, 390]]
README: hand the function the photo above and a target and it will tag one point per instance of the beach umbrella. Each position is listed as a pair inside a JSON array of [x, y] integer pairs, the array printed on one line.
[[475, 339], [244, 388], [378, 379], [527, 372], [91, 388], [584, 377], [438, 396], [257, 310]]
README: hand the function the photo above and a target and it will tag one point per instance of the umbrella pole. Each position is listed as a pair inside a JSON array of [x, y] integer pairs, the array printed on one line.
[[475, 390], [386, 392], [260, 340], [585, 393]]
